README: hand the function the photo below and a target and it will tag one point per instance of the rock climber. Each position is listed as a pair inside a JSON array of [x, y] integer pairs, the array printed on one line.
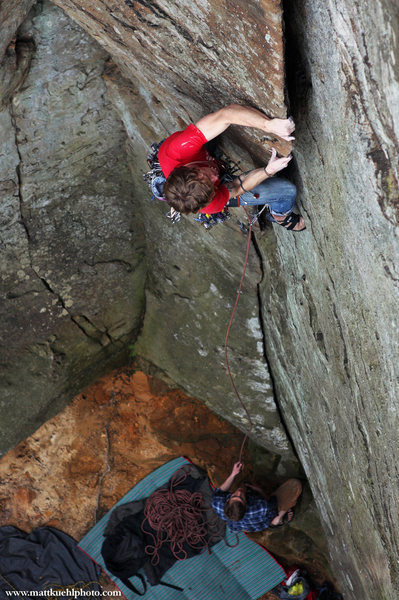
[[247, 509], [192, 174]]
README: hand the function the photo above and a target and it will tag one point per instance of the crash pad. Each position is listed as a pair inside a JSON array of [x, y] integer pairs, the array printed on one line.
[[243, 572]]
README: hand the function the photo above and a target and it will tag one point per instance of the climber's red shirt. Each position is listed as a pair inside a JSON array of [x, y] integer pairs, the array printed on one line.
[[186, 147]]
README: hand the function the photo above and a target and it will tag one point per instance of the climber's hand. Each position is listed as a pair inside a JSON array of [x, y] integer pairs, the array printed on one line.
[[276, 164], [282, 128]]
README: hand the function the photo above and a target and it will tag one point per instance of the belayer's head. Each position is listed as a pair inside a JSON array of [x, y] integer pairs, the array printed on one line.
[[187, 190], [236, 505]]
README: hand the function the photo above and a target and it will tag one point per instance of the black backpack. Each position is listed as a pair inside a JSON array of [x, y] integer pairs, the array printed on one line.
[[123, 554]]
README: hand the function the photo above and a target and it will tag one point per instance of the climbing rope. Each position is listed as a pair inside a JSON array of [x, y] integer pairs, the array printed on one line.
[[177, 516], [251, 424]]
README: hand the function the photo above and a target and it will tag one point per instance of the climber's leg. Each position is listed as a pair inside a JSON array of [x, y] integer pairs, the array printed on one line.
[[279, 194]]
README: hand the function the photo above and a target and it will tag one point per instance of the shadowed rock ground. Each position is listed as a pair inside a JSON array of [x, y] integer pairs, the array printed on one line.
[[77, 465]]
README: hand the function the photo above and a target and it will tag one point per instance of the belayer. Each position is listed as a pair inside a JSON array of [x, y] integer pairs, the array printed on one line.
[[193, 178], [247, 509]]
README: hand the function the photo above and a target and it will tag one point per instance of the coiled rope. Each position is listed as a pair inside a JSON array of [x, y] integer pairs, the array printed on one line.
[[177, 516]]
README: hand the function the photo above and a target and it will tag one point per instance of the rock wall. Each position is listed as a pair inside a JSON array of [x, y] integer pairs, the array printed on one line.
[[337, 377], [329, 296], [191, 290], [12, 14], [72, 248], [186, 345], [195, 56], [331, 340]]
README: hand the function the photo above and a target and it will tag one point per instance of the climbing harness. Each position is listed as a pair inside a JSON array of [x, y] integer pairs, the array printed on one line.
[[156, 180], [154, 177], [209, 221]]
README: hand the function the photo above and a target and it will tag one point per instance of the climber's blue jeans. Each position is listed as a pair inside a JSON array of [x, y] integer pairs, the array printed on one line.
[[279, 194]]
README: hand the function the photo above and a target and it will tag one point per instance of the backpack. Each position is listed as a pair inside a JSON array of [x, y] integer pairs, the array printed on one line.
[[123, 554], [156, 181]]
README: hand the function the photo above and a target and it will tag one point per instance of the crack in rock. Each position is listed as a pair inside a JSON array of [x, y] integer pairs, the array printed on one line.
[[107, 469], [103, 338], [279, 410], [117, 261], [18, 171]]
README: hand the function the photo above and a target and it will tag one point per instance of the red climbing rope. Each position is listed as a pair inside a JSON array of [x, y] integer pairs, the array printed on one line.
[[227, 337], [177, 516]]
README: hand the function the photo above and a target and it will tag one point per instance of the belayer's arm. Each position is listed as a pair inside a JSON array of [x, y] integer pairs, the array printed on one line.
[[226, 484], [215, 123]]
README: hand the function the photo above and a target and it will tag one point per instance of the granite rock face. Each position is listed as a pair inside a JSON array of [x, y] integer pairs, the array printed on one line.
[[72, 248]]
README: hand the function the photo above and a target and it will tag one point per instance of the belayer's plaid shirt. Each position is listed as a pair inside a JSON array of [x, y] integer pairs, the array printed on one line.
[[260, 512]]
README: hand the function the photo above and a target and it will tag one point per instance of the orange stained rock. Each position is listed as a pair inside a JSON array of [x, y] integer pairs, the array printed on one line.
[[78, 464]]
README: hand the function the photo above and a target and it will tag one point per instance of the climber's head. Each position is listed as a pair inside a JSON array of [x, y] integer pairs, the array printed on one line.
[[236, 505], [188, 189]]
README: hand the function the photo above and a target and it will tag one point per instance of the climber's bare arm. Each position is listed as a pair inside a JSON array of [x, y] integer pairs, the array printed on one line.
[[249, 180], [215, 123]]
